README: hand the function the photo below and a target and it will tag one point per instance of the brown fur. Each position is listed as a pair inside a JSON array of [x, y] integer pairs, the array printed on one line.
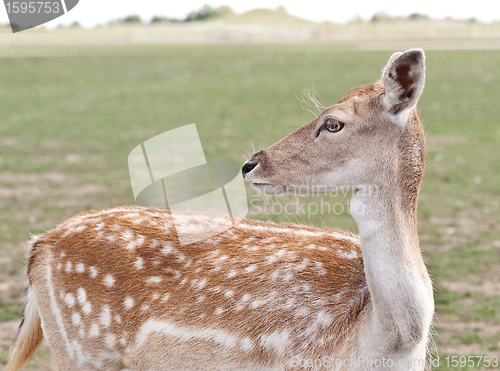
[[243, 248]]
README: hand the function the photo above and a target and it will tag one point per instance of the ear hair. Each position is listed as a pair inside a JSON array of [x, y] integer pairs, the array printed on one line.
[[403, 78], [391, 60]]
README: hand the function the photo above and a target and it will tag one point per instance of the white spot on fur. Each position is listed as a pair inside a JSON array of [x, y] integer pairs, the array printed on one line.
[[59, 266], [351, 254], [110, 340], [68, 268], [201, 284], [302, 312], [277, 340], [80, 268], [111, 238], [69, 299], [222, 258], [127, 235], [109, 280], [93, 272], [145, 307], [94, 330], [131, 244], [139, 263], [229, 293], [76, 319], [81, 295], [258, 303], [154, 280], [232, 273], [323, 318], [319, 268], [181, 257], [128, 302], [80, 228], [165, 297], [118, 318], [167, 249], [87, 308], [340, 236], [271, 259], [200, 299], [251, 268], [213, 254], [219, 311], [246, 344], [140, 240], [105, 317], [156, 296], [287, 277], [274, 276], [304, 264]]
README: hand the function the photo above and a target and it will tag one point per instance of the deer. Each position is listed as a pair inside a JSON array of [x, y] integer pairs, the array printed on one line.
[[114, 290]]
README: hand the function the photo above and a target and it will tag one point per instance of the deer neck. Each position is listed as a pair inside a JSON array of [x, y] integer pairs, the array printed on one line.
[[398, 281]]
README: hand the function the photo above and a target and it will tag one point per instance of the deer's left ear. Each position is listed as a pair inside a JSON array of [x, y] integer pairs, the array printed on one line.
[[403, 79]]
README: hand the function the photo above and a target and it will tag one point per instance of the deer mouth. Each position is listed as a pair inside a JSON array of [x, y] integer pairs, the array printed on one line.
[[268, 188]]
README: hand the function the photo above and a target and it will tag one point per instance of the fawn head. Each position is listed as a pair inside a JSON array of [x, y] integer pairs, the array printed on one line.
[[371, 137]]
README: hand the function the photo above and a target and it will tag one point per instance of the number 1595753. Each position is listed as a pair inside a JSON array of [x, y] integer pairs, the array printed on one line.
[[32, 7], [472, 361]]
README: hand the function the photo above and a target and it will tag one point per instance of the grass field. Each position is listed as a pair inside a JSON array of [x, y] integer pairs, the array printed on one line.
[[67, 125]]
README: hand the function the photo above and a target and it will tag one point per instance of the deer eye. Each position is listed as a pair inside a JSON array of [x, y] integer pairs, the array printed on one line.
[[332, 125]]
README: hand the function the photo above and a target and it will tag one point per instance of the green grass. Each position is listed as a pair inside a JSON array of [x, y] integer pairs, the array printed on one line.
[[466, 306], [10, 310], [77, 118]]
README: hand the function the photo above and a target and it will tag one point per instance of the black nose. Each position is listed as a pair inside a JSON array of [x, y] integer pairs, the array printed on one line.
[[248, 167]]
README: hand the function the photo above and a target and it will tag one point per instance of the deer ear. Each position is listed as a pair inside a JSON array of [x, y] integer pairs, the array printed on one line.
[[403, 79]]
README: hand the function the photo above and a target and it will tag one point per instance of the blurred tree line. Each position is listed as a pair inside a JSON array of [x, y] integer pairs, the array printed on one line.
[[206, 12]]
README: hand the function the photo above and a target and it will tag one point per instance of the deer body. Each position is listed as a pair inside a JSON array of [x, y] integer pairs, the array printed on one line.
[[115, 290]]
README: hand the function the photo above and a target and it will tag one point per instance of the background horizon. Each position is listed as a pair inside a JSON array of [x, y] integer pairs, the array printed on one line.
[[90, 13]]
